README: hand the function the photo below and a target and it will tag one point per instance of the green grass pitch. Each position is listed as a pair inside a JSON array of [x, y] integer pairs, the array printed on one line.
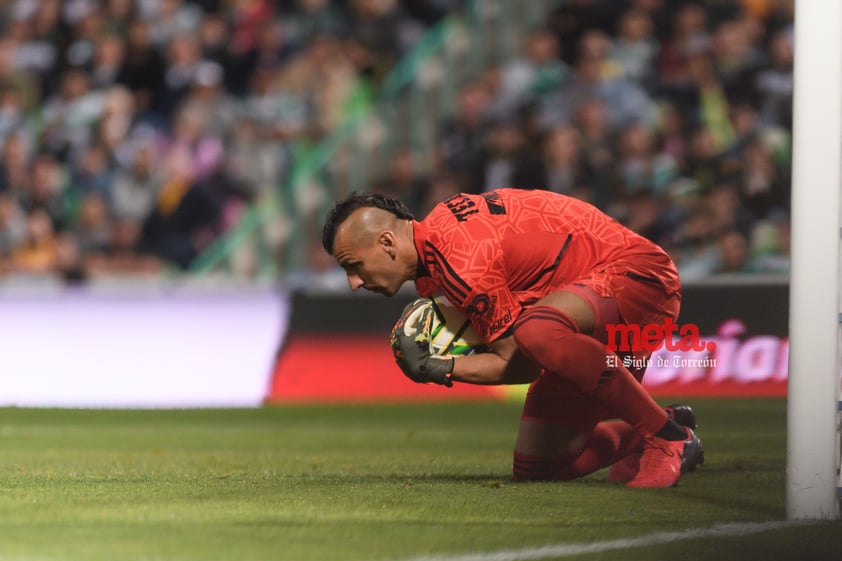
[[376, 482]]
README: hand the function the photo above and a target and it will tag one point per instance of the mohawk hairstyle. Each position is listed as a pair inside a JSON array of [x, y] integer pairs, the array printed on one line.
[[355, 201]]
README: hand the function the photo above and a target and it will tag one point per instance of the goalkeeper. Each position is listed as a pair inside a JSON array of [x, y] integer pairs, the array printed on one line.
[[540, 275]]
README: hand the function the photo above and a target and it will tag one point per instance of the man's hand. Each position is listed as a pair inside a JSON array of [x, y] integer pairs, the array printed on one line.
[[410, 340]]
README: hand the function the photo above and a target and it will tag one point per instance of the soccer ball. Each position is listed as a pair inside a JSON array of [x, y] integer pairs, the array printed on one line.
[[451, 333]]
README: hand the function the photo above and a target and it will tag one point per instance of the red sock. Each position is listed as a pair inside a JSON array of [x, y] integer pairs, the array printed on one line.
[[552, 339], [609, 442], [540, 468]]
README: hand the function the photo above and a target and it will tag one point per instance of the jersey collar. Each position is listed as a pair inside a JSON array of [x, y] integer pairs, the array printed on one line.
[[420, 233]]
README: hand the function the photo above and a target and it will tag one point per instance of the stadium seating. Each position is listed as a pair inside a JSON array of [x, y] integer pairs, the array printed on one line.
[[180, 137]]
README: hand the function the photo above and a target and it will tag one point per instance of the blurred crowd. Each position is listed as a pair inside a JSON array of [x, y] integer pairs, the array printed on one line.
[[673, 116], [134, 132]]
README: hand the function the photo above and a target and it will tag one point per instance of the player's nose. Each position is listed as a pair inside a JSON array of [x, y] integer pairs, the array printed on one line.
[[355, 282]]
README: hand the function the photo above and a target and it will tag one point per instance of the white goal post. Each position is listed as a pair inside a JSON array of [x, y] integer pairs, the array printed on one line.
[[814, 312]]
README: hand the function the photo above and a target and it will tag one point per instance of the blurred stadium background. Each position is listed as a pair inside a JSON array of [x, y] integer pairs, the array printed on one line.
[[158, 152], [165, 166]]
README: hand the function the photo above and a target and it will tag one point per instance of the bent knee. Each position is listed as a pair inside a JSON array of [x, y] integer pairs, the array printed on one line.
[[542, 468], [540, 331]]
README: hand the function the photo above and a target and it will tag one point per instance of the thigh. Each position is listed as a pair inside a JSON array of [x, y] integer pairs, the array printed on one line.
[[609, 297], [642, 301], [596, 293], [614, 297]]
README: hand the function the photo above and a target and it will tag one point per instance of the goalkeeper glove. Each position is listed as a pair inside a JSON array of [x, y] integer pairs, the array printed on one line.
[[410, 341]]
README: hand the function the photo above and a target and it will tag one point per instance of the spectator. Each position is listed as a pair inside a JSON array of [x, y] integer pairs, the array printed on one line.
[[136, 185], [185, 217], [93, 224], [636, 163], [505, 161], [382, 29], [183, 59], [44, 190], [12, 116], [441, 187], [170, 19], [462, 136], [87, 24], [595, 77], [108, 58], [763, 190], [726, 211], [93, 174], [697, 250], [538, 72], [688, 39], [770, 247], [70, 113], [246, 18], [311, 19], [14, 162], [69, 264], [255, 160], [572, 19], [123, 254], [268, 53], [116, 122], [673, 133], [208, 98], [703, 161], [119, 15], [12, 225], [37, 252], [213, 38], [12, 78], [669, 115], [38, 39], [194, 145], [644, 215], [775, 83], [598, 145], [143, 68], [734, 253], [319, 80], [736, 57], [635, 47], [563, 169], [403, 180]]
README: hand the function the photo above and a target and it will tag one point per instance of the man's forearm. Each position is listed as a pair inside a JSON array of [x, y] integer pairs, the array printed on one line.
[[490, 369]]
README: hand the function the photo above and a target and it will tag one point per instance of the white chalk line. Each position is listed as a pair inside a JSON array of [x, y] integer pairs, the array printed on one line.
[[658, 538]]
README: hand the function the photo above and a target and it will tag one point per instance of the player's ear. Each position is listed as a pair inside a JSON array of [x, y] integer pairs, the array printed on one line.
[[388, 242]]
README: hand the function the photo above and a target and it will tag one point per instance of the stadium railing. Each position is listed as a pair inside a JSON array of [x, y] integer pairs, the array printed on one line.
[[274, 236]]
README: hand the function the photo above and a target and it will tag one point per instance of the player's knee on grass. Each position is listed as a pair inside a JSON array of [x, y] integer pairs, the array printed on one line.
[[546, 451], [543, 468]]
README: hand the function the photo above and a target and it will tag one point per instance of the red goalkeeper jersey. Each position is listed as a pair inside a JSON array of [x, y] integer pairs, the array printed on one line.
[[492, 254]]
